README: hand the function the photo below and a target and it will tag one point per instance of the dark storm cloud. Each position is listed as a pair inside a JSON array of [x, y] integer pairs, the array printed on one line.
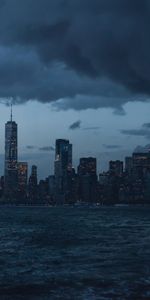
[[75, 125], [111, 147], [135, 132], [119, 111], [146, 125], [47, 148], [144, 131], [87, 53]]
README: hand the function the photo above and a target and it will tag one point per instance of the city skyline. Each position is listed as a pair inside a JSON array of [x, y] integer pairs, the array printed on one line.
[[125, 182], [43, 154], [33, 153]]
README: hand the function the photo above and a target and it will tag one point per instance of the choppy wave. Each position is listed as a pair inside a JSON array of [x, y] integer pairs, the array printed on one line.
[[71, 253]]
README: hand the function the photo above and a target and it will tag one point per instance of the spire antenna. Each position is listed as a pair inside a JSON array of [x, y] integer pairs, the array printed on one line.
[[11, 112]]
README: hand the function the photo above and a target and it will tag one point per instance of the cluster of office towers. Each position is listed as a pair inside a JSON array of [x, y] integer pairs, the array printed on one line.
[[67, 186], [118, 185], [60, 188]]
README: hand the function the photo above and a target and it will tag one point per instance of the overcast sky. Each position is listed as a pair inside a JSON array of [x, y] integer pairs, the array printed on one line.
[[76, 69]]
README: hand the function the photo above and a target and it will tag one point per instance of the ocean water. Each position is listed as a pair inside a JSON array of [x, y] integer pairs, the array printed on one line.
[[74, 253]]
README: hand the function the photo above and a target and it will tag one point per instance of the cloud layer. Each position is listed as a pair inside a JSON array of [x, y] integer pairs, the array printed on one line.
[[144, 131], [111, 147], [77, 54], [75, 125]]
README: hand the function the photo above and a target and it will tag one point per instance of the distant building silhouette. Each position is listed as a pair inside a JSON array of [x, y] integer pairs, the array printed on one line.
[[128, 165], [141, 164], [11, 156], [32, 185], [116, 167], [87, 166], [87, 172]]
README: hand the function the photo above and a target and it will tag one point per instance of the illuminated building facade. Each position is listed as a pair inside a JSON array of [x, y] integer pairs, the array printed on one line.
[[22, 177], [64, 153]]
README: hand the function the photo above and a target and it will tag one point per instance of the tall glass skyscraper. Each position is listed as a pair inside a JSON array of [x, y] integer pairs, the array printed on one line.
[[63, 163], [63, 153], [11, 156]]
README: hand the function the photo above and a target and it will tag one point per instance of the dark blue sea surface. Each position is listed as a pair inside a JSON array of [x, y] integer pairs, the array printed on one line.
[[74, 253]]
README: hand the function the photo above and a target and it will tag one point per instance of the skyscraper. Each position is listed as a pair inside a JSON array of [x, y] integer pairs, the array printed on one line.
[[128, 165], [11, 156], [116, 167], [32, 187], [87, 171], [22, 177], [63, 163], [64, 153], [141, 164], [87, 166]]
